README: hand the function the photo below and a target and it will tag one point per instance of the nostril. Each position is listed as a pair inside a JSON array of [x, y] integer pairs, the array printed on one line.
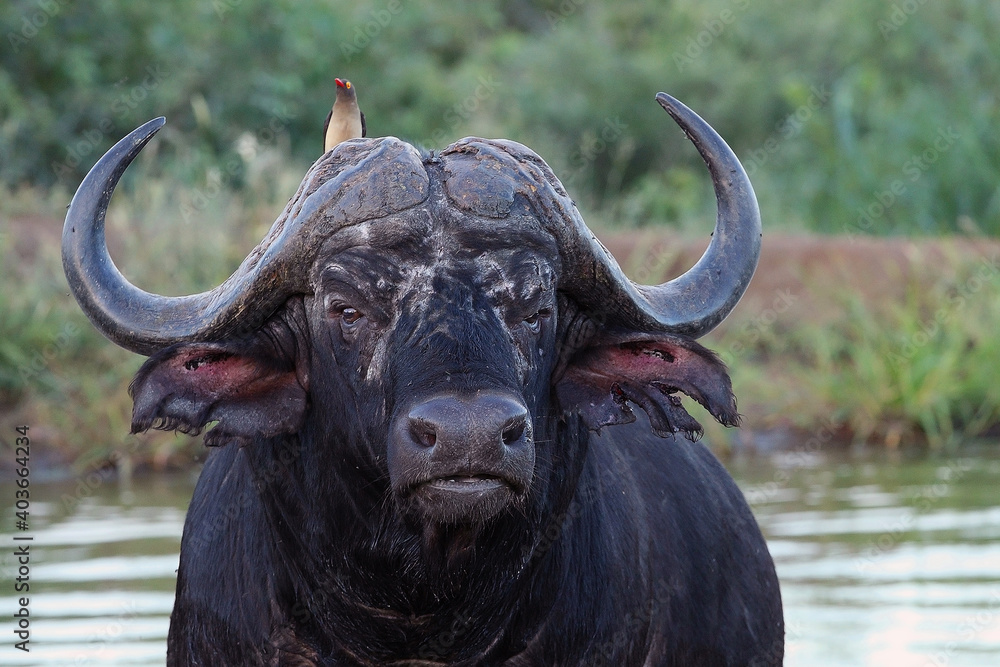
[[423, 433], [513, 431]]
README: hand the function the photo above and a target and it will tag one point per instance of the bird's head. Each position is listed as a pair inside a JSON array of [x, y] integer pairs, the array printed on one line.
[[345, 90]]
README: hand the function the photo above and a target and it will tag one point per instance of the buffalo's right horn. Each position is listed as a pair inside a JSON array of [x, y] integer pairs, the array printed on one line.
[[338, 191], [132, 318]]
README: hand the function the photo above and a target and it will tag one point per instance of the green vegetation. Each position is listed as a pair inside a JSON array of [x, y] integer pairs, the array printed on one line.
[[924, 367], [853, 118], [56, 371], [921, 370]]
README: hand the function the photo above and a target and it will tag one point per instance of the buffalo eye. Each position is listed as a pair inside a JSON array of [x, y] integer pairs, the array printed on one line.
[[534, 322], [350, 318], [350, 315]]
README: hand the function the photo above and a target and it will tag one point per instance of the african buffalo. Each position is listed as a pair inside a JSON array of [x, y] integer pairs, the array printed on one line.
[[422, 384]]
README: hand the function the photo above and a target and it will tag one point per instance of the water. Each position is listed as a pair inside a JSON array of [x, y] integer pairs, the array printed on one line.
[[883, 561], [103, 568]]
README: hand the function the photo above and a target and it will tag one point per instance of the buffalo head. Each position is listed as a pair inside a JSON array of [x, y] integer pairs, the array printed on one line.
[[426, 321]]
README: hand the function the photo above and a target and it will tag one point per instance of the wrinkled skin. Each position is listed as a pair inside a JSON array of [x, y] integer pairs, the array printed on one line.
[[444, 425]]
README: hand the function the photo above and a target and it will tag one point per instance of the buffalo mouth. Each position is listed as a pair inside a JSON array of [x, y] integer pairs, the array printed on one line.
[[467, 484], [463, 497]]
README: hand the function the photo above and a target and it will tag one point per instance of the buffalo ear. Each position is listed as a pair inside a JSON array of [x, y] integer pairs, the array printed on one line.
[[647, 369], [249, 392]]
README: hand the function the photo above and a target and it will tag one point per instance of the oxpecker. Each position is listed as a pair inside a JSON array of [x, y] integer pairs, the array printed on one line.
[[345, 120]]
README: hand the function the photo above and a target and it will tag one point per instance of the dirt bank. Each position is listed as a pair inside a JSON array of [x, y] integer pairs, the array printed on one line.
[[810, 274]]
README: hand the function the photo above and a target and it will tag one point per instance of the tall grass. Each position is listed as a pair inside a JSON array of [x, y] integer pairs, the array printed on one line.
[[922, 369]]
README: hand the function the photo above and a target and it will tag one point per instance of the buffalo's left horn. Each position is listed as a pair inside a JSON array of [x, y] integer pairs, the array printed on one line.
[[709, 290], [697, 301]]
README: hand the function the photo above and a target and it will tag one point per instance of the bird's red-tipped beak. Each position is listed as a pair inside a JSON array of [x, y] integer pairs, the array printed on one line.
[[342, 84]]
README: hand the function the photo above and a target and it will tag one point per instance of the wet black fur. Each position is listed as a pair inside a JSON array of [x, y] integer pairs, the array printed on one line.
[[627, 549]]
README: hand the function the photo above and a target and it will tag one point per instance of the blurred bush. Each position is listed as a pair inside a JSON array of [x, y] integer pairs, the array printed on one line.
[[56, 371], [853, 117]]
